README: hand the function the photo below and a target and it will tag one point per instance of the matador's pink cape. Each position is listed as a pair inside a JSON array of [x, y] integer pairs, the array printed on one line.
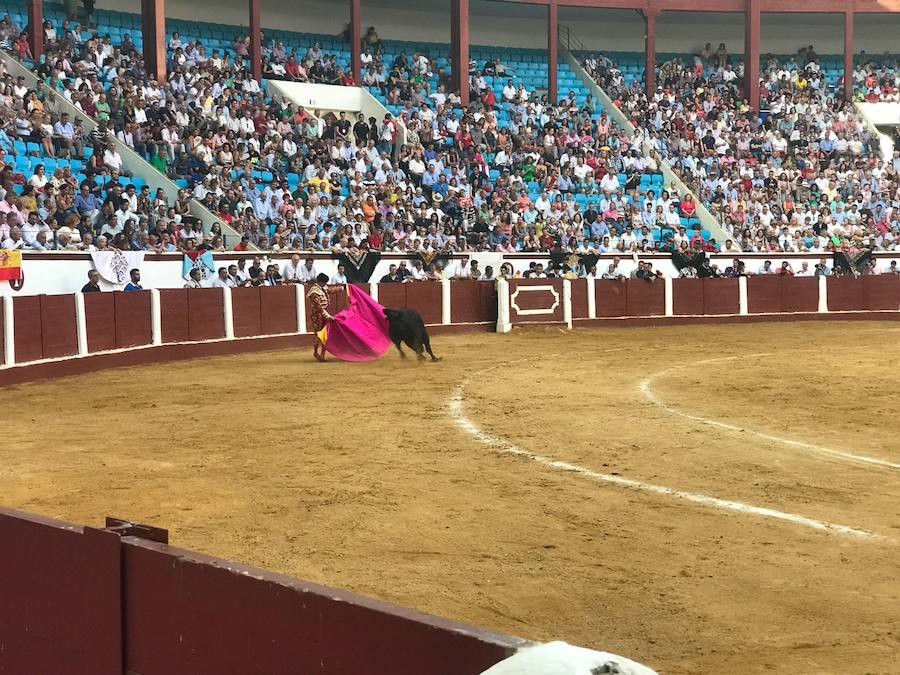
[[358, 333]]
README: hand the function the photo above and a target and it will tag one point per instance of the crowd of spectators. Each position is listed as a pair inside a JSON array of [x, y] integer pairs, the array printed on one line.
[[805, 176]]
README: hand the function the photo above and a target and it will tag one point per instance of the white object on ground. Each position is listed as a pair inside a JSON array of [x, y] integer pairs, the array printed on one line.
[[560, 658]]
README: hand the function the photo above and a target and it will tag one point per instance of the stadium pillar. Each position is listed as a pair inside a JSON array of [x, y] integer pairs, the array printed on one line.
[[355, 41], [36, 27], [153, 22], [552, 51], [255, 41], [848, 51], [459, 57], [751, 53], [650, 15]]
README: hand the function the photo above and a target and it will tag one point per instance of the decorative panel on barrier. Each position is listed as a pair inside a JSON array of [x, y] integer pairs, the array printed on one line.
[[187, 613], [245, 307], [100, 319], [206, 313], [687, 296], [579, 299], [425, 298], [27, 319], [278, 310], [59, 335], [612, 297], [61, 603], [173, 309], [471, 301], [645, 298], [134, 320], [721, 296], [881, 292], [845, 294], [536, 301]]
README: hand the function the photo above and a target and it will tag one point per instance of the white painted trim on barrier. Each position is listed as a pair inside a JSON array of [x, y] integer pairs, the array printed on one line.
[[301, 308], [567, 303], [373, 290], [743, 305], [503, 323], [445, 302], [823, 293], [531, 289], [669, 296], [81, 323], [9, 332], [155, 317], [228, 312], [592, 298]]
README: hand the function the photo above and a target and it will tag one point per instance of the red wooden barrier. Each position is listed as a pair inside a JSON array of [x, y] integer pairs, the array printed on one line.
[[579, 299], [424, 297], [61, 589], [188, 613], [645, 298], [799, 294], [100, 317], [134, 321], [58, 326], [535, 300], [173, 310], [278, 310], [611, 297], [245, 307], [845, 294], [881, 292], [721, 296], [764, 294], [471, 301], [687, 296], [392, 295], [206, 313], [27, 327]]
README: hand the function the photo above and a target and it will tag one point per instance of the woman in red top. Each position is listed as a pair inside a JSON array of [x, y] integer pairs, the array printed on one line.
[[688, 207]]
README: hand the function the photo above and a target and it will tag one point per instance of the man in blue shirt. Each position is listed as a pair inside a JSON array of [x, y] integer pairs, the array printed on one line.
[[135, 283]]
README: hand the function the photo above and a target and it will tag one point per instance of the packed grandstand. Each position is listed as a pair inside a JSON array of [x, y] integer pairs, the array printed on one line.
[[511, 172]]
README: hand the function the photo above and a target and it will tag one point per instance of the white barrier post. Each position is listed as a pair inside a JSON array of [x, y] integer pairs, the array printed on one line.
[[503, 323], [567, 303], [373, 290], [81, 324], [823, 293], [301, 308], [742, 296], [9, 332], [592, 298], [228, 311], [445, 302], [155, 317], [670, 299]]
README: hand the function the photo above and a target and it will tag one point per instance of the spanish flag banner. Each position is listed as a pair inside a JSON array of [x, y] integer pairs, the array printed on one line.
[[10, 264]]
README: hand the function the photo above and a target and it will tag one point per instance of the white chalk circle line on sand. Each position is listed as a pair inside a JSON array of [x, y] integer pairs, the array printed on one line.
[[457, 412], [646, 389]]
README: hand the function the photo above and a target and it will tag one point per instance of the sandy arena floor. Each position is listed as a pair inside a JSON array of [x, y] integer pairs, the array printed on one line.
[[414, 484]]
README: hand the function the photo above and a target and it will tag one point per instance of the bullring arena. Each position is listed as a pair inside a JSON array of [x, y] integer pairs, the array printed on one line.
[[703, 498]]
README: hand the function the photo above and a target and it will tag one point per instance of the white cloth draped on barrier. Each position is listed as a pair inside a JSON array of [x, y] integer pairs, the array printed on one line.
[[559, 658], [114, 266]]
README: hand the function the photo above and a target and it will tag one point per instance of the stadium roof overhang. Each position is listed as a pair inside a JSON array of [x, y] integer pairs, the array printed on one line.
[[767, 6]]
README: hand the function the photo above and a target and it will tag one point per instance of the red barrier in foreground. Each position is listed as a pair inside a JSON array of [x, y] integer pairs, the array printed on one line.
[[89, 602]]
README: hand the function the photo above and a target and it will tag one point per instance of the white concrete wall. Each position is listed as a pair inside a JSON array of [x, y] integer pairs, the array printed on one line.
[[508, 24]]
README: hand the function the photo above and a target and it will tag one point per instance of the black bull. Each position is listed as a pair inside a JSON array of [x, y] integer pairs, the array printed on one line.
[[406, 325]]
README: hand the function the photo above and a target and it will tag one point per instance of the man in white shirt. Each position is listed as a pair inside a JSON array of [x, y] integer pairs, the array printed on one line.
[[291, 272], [112, 159], [223, 280], [338, 277]]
